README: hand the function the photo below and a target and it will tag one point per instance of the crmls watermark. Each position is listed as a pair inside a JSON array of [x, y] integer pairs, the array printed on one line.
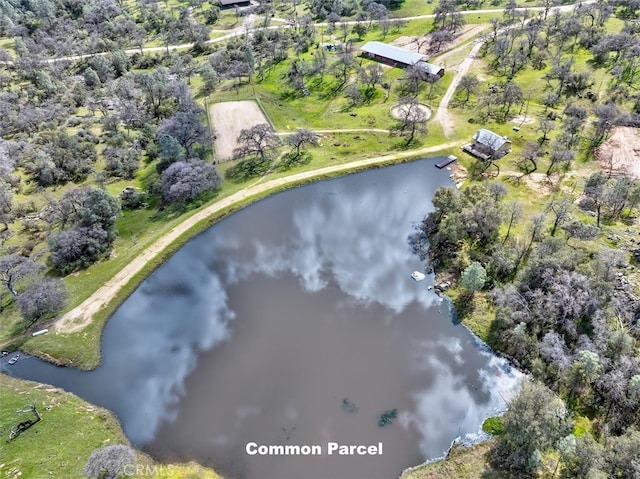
[[148, 470]]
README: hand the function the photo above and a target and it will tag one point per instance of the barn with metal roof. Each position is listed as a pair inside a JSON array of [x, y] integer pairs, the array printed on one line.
[[400, 57]]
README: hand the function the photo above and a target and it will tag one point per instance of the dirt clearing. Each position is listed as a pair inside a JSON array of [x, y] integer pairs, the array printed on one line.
[[227, 119], [620, 154], [421, 44], [400, 111]]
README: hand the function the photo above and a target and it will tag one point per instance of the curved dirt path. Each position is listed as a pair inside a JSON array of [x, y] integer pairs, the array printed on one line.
[[82, 315], [241, 30]]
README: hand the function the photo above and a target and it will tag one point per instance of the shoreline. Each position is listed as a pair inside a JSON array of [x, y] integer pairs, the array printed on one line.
[[100, 305]]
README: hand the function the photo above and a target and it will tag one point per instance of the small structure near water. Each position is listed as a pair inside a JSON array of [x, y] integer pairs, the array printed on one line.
[[488, 145], [418, 276], [446, 162]]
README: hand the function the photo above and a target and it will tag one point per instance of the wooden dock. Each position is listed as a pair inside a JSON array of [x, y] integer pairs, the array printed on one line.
[[446, 161]]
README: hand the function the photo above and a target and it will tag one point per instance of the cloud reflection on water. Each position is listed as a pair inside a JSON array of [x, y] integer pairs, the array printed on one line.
[[346, 233], [356, 238]]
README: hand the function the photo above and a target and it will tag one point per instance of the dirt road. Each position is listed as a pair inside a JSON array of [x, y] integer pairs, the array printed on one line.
[[442, 115], [81, 316]]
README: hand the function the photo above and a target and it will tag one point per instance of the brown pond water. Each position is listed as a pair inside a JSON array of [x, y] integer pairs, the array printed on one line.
[[296, 322]]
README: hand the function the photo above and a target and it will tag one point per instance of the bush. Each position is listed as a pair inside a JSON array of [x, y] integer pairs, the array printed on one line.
[[493, 426]]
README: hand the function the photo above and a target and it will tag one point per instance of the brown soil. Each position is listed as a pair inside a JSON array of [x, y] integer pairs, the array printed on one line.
[[522, 120], [396, 111], [620, 154], [228, 119]]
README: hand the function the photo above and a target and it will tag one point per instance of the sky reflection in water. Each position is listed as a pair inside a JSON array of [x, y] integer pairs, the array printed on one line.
[[350, 234]]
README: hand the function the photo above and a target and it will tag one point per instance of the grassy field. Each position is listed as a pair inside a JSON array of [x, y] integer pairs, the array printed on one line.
[[462, 463], [60, 444]]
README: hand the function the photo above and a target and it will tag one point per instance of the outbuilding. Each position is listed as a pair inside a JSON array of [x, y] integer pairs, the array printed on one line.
[[400, 57], [234, 3], [488, 145]]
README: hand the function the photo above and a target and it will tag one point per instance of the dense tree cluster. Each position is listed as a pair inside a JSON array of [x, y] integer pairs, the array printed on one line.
[[561, 312], [57, 27], [92, 213], [184, 181], [35, 295]]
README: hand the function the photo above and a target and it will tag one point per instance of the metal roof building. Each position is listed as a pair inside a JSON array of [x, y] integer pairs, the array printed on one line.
[[430, 68], [397, 56], [488, 145], [491, 139]]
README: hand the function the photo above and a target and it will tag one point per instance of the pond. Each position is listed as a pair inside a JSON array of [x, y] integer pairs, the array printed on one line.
[[296, 322]]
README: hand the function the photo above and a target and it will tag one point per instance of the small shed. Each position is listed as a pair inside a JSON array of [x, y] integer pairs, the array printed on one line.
[[488, 145]]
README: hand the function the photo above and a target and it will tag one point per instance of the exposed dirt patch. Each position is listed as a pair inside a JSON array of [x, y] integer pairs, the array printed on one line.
[[421, 44], [398, 110], [539, 182], [522, 120], [620, 154], [228, 119]]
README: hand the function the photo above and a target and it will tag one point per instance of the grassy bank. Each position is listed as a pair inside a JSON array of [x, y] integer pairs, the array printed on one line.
[[82, 349], [462, 463], [70, 430]]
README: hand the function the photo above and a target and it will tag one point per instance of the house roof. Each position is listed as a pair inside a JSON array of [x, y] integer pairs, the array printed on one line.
[[429, 67], [490, 139], [391, 52], [233, 2]]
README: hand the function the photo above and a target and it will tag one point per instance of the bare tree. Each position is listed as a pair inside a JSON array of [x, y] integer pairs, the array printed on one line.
[[43, 297], [13, 268], [526, 161], [515, 211], [468, 85], [259, 139], [302, 137], [561, 210], [546, 126], [560, 158], [413, 118]]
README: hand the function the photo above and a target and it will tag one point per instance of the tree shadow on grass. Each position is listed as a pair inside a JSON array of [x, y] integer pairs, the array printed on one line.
[[291, 160], [463, 306], [247, 169]]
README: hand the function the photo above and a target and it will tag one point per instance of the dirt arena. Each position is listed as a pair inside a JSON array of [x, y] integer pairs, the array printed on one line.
[[398, 111], [228, 118]]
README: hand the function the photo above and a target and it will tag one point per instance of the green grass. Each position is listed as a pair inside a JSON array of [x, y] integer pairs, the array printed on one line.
[[493, 425], [462, 463], [60, 444], [582, 425]]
